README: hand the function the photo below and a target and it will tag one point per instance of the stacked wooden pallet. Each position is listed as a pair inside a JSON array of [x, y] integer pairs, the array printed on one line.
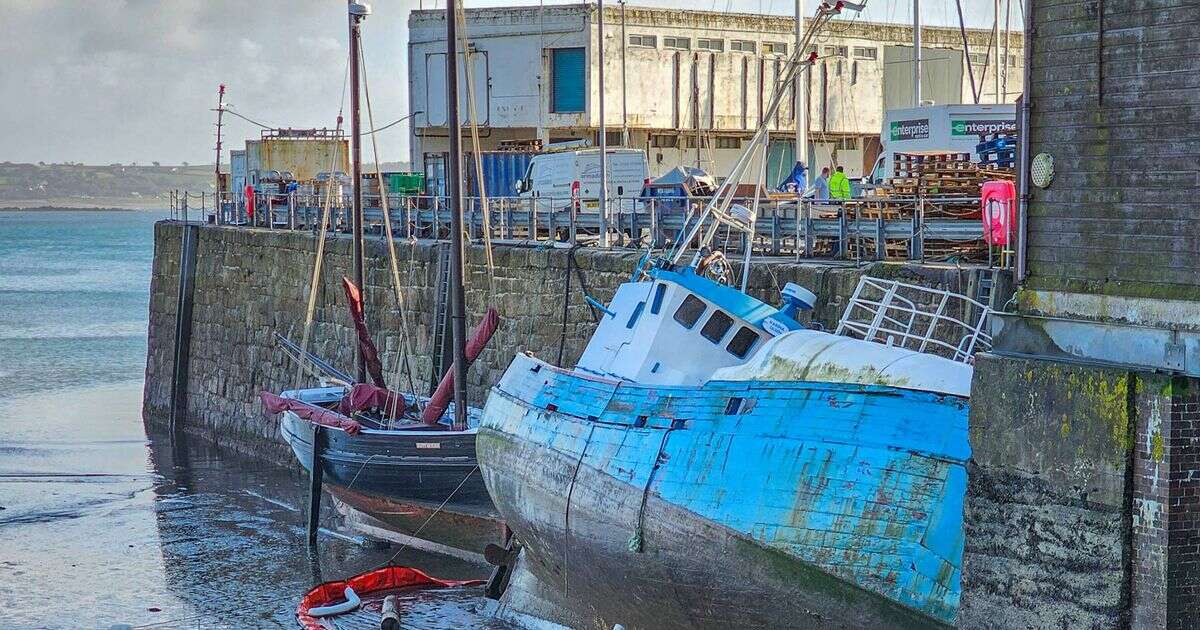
[[946, 186]]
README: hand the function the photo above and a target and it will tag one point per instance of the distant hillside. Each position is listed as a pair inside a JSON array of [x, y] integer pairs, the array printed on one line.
[[117, 185], [113, 186]]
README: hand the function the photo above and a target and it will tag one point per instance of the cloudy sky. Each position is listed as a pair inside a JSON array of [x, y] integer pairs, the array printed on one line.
[[100, 81]]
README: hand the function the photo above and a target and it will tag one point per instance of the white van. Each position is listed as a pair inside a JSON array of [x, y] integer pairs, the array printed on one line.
[[555, 177]]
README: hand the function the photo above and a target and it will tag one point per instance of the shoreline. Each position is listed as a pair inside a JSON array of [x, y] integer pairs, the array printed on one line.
[[79, 209]]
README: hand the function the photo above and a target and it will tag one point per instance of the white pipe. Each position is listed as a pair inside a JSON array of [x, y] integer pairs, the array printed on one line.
[[352, 602]]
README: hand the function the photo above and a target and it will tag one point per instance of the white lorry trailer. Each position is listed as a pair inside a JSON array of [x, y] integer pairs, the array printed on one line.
[[939, 129]]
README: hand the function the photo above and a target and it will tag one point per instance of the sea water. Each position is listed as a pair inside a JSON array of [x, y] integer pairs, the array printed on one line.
[[101, 525]]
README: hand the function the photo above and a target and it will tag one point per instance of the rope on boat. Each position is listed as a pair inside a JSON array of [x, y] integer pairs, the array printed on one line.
[[310, 313], [473, 124], [405, 360], [431, 515]]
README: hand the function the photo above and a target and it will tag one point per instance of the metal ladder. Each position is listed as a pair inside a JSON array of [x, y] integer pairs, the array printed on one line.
[[440, 345], [987, 280]]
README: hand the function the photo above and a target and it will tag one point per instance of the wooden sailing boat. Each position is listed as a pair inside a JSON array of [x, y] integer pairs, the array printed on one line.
[[406, 462]]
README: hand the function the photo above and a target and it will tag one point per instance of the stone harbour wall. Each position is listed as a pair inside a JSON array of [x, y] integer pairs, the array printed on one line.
[[1083, 503], [251, 284]]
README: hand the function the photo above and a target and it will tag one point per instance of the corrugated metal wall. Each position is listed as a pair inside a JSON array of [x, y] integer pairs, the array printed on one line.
[[1115, 93]]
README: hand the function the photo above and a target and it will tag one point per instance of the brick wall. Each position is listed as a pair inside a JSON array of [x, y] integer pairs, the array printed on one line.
[[1114, 91], [1182, 446]]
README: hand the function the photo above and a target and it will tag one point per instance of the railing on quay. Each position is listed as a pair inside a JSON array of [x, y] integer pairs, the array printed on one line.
[[905, 228]]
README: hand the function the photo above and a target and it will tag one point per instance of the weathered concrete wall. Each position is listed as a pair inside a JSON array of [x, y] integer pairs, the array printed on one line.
[[1082, 505], [251, 284]]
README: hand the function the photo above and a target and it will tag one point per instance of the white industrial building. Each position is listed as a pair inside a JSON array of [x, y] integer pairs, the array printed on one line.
[[686, 86]]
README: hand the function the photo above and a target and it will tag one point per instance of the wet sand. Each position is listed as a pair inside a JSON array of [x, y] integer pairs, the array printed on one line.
[[102, 525]]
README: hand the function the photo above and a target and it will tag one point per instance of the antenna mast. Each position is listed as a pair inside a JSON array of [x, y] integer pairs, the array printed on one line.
[[217, 168]]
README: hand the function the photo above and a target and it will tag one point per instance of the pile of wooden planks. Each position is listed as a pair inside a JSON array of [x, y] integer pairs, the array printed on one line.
[[944, 186]]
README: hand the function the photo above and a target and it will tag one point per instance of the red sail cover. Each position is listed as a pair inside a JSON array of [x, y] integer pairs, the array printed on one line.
[[385, 579], [367, 396], [312, 413], [369, 353], [445, 389]]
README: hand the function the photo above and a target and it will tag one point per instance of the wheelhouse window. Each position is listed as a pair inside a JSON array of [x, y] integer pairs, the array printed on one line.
[[717, 325], [660, 290], [690, 311], [743, 341]]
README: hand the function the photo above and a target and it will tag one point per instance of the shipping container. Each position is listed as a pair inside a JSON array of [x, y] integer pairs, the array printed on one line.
[[501, 172], [303, 157]]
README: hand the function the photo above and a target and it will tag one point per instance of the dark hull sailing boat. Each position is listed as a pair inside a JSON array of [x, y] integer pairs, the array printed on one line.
[[412, 473], [407, 462]]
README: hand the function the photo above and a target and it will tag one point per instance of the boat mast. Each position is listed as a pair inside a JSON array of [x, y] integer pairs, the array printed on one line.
[[357, 12], [917, 53], [458, 317], [800, 102], [603, 130]]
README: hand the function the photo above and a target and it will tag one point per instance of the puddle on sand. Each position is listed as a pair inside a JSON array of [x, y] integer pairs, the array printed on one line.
[[101, 527]]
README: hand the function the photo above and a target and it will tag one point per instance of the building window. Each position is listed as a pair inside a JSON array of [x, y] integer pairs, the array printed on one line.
[[678, 43], [725, 142], [978, 59], [664, 141], [690, 311], [866, 52], [835, 51], [690, 141], [717, 325], [710, 44], [611, 138], [567, 80], [742, 342], [743, 45], [1013, 61], [774, 48], [854, 72], [849, 144], [644, 41]]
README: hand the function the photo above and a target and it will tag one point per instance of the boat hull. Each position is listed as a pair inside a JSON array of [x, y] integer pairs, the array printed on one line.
[[390, 477], [734, 523]]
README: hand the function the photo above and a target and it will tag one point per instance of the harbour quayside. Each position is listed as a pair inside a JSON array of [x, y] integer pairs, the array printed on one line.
[[710, 462]]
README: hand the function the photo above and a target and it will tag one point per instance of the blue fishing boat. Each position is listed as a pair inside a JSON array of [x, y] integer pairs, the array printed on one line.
[[710, 462], [809, 479]]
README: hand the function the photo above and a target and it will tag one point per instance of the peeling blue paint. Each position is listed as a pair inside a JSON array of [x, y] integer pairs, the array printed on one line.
[[865, 482]]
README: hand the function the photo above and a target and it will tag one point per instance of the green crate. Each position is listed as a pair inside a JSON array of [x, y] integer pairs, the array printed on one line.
[[406, 183]]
